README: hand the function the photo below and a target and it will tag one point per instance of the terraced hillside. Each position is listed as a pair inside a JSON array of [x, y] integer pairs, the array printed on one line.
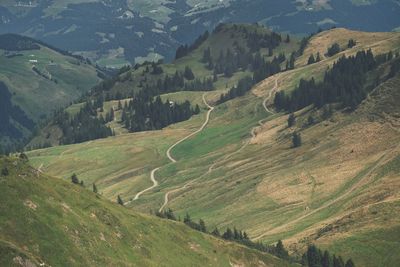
[[48, 222], [339, 189]]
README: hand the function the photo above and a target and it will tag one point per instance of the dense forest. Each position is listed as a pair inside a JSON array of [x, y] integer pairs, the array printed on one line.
[[84, 126], [144, 113], [344, 83]]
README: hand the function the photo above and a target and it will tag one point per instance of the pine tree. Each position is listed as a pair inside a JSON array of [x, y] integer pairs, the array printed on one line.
[[187, 219], [120, 201], [119, 105], [74, 179], [318, 58], [287, 39], [202, 225], [188, 74], [291, 120], [350, 263], [281, 251], [313, 257], [94, 188], [351, 43], [311, 60], [296, 139], [216, 232], [326, 259]]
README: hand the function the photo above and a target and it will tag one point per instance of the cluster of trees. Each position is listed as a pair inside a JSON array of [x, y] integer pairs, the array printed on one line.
[[344, 83], [83, 126], [315, 257], [145, 113], [14, 42], [312, 59], [333, 50], [184, 50], [230, 61], [233, 235], [243, 86], [351, 43]]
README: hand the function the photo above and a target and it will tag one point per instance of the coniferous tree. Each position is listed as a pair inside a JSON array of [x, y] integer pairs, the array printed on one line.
[[74, 179], [291, 120], [280, 250], [120, 201], [202, 225], [350, 263], [311, 60], [188, 74], [287, 39], [333, 50], [351, 43], [216, 232], [94, 188], [296, 139], [318, 58]]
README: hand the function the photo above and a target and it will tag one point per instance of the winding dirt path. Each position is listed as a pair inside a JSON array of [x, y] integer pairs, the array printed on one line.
[[210, 109], [173, 160], [210, 169]]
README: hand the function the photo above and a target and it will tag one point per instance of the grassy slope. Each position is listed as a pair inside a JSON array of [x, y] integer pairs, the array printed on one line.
[[268, 184], [46, 220], [37, 95]]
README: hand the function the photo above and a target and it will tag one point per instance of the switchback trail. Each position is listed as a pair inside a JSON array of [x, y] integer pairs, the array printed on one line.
[[253, 134], [153, 172]]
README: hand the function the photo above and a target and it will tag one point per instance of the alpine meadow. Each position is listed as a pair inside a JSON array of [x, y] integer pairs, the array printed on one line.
[[200, 133]]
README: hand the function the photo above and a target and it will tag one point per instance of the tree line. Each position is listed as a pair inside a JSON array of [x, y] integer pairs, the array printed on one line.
[[315, 257], [144, 113], [344, 83], [84, 126]]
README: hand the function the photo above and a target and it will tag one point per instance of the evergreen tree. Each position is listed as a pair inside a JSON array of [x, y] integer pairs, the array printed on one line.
[[280, 250], [350, 263], [81, 183], [318, 58], [313, 257], [187, 219], [188, 74], [296, 139], [333, 50], [291, 120], [216, 232], [94, 188], [351, 43], [202, 225], [228, 235], [326, 259], [74, 179], [311, 60], [120, 201]]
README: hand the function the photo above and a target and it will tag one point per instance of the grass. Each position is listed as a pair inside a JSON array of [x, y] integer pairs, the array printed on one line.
[[43, 212], [266, 184], [38, 96]]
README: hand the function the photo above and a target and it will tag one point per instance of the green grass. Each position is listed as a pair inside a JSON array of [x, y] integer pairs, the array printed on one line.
[[44, 219], [38, 96]]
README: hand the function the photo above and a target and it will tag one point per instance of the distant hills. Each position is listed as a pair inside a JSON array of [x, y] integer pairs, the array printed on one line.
[[113, 33], [35, 80]]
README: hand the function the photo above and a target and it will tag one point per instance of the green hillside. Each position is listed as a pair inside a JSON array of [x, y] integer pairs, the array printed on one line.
[[242, 171], [48, 222], [41, 79]]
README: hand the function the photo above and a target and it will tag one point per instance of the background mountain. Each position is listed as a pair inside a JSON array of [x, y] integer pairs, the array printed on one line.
[[35, 80], [116, 32]]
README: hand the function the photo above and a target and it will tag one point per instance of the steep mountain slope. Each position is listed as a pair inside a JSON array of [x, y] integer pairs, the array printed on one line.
[[38, 80], [108, 29], [47, 222], [338, 186]]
